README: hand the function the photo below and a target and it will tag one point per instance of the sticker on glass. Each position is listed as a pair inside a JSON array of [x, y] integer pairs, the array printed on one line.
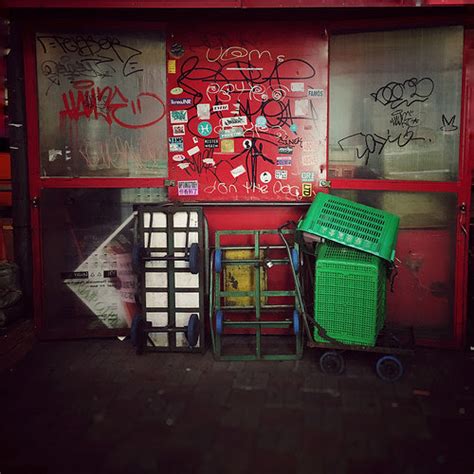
[[211, 143], [307, 177], [283, 161], [227, 146], [281, 174], [179, 130], [265, 177], [176, 144], [204, 129], [316, 93], [188, 188], [204, 111], [236, 172], [181, 101], [179, 116], [193, 151]]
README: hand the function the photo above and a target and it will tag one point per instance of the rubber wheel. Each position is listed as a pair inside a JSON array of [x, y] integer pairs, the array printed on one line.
[[218, 260], [193, 330], [296, 322], [219, 322], [135, 329], [194, 254], [295, 259], [332, 363], [389, 368], [136, 258]]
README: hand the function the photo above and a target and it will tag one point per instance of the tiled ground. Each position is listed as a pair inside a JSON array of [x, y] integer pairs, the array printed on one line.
[[95, 407]]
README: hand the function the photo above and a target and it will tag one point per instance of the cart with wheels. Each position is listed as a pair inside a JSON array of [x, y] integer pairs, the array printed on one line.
[[392, 344], [170, 259], [254, 310]]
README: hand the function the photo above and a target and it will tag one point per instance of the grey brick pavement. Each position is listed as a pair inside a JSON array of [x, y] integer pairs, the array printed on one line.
[[95, 407]]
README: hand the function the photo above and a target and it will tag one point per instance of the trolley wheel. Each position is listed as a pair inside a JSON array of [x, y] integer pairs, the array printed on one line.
[[136, 258], [389, 368], [296, 322], [332, 363], [219, 322], [218, 260], [295, 259], [134, 329], [193, 329], [137, 334], [194, 253]]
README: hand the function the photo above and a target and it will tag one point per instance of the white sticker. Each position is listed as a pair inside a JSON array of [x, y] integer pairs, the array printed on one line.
[[281, 174], [183, 165], [179, 130], [297, 86], [193, 151], [234, 121], [55, 155], [195, 139], [301, 107], [220, 107], [236, 172], [209, 161], [179, 116], [204, 111], [188, 188], [265, 177], [179, 158], [316, 93]]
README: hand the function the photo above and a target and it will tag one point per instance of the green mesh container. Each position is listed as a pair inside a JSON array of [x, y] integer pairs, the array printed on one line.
[[355, 225], [349, 295]]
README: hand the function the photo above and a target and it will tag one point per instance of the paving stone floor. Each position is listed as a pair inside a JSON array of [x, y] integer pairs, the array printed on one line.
[[93, 406]]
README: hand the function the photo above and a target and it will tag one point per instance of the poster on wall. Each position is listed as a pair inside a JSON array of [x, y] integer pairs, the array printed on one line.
[[247, 112], [102, 104]]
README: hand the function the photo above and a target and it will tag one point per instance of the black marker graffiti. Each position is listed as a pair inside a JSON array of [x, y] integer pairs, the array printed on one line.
[[93, 50], [410, 91], [448, 125], [375, 143], [404, 119]]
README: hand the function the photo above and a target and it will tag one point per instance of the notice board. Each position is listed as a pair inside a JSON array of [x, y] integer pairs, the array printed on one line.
[[247, 112]]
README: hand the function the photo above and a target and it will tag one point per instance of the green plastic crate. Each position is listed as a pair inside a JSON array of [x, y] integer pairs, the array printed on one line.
[[349, 295], [355, 225]]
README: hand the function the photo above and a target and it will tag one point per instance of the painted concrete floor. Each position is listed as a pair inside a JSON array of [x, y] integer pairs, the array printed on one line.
[[93, 406]]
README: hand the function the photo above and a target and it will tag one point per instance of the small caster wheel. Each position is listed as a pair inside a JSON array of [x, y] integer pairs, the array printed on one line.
[[389, 368], [193, 330], [296, 322], [218, 260], [134, 329], [194, 258], [332, 363], [219, 322], [295, 259]]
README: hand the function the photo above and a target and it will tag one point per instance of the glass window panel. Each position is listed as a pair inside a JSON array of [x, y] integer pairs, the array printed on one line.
[[89, 282], [395, 104], [423, 295], [101, 101]]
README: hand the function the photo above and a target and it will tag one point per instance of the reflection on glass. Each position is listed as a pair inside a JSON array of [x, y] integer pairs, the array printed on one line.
[[423, 291], [101, 100], [87, 236], [395, 104]]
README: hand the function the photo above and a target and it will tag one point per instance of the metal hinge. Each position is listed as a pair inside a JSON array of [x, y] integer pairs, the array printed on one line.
[[35, 201]]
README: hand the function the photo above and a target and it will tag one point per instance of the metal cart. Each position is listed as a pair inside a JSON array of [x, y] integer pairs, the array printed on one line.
[[259, 259]]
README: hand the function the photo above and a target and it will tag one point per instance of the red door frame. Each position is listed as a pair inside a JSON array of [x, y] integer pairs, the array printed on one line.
[[461, 187]]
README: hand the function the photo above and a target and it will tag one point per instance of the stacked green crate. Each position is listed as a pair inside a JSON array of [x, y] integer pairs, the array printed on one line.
[[349, 294]]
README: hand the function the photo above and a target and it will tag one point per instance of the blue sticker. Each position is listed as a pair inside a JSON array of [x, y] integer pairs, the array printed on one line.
[[294, 127], [261, 121], [205, 129]]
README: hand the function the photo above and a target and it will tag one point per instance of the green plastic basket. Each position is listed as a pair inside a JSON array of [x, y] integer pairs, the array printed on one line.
[[349, 295], [355, 225]]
